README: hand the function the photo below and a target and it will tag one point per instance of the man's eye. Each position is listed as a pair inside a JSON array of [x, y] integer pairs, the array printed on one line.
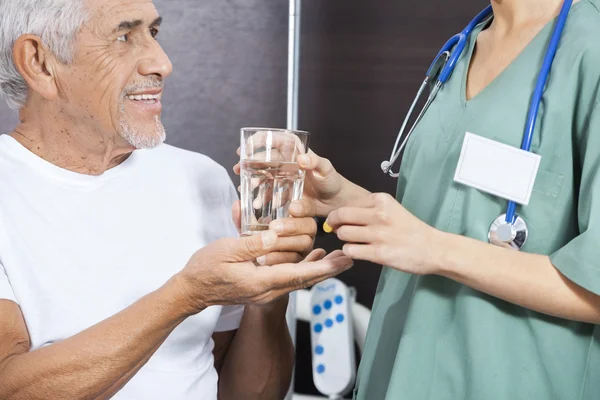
[[154, 32], [124, 38]]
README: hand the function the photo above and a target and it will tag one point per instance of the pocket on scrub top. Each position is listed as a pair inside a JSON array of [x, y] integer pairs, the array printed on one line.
[[547, 183], [540, 213]]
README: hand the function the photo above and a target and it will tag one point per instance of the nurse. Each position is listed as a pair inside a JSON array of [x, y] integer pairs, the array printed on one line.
[[456, 317]]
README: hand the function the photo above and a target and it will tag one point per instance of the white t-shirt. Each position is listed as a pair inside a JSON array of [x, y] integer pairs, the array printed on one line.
[[76, 249]]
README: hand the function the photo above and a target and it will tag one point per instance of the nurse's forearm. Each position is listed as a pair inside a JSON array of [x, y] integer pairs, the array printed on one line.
[[528, 280], [260, 360]]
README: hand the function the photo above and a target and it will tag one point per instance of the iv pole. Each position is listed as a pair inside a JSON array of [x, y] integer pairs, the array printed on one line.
[[292, 123]]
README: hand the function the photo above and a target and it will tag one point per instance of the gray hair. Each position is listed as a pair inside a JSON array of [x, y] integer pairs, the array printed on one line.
[[56, 22]]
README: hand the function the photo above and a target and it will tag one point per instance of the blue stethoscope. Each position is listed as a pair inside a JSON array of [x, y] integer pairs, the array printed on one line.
[[509, 229]]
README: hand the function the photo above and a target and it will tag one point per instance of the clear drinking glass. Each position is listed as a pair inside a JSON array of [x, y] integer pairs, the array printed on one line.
[[270, 176]]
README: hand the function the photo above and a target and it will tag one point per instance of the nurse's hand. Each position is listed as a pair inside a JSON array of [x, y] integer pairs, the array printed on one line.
[[296, 235], [323, 185], [378, 229]]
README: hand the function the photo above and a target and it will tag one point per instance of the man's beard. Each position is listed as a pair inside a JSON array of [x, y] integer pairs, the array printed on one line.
[[132, 135], [141, 140]]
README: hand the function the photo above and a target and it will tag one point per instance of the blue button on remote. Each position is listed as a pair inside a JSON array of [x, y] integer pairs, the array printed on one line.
[[339, 299], [327, 304], [328, 323], [339, 318], [319, 350], [317, 310], [320, 368], [318, 328]]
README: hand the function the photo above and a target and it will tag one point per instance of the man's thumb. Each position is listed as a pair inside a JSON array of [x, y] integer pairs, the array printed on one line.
[[251, 247]]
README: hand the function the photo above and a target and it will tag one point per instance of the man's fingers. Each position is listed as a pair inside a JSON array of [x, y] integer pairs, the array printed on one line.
[[303, 208], [291, 257], [334, 254], [282, 279], [249, 248], [302, 244], [294, 226], [351, 216], [284, 257], [299, 276], [316, 255]]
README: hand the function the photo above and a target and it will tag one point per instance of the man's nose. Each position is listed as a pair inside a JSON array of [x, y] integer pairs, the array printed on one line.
[[156, 63]]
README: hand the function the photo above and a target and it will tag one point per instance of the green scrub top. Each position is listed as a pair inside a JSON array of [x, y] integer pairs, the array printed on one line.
[[431, 338]]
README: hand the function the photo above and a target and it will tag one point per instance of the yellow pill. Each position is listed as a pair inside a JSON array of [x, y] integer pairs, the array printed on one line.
[[327, 228]]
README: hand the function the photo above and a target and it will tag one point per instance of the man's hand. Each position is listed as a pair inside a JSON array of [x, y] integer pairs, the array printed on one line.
[[296, 235], [224, 273]]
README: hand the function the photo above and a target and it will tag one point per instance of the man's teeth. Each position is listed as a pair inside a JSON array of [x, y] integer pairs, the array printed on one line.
[[143, 97]]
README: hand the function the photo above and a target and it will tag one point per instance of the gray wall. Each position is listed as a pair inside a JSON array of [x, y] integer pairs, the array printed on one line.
[[8, 119], [230, 71]]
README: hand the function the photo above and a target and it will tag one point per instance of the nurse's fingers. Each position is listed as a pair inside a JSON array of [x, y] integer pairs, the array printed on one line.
[[319, 165], [236, 214], [287, 140], [282, 146], [363, 252], [379, 200], [351, 216], [355, 234], [236, 167]]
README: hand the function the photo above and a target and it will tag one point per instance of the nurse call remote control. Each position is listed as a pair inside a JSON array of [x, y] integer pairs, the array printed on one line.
[[332, 337]]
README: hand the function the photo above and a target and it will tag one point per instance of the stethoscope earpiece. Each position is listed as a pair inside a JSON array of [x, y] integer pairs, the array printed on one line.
[[385, 166]]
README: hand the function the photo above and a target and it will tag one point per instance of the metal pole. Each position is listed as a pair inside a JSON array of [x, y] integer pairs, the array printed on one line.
[[293, 64], [292, 123]]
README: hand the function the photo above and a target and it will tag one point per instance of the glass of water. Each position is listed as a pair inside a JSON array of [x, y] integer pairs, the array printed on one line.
[[270, 176]]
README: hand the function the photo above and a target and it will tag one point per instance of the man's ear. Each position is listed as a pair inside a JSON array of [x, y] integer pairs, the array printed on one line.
[[35, 64]]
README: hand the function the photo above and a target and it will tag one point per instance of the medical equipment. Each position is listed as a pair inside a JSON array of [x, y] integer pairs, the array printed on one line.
[[332, 338], [509, 229], [361, 316]]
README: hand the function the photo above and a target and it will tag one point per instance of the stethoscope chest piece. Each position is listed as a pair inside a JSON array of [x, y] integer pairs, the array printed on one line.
[[508, 235]]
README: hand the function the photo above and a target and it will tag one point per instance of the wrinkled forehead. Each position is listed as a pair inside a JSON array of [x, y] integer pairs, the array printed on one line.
[[106, 15]]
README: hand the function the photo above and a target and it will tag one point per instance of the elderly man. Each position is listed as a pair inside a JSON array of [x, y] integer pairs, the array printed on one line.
[[121, 273]]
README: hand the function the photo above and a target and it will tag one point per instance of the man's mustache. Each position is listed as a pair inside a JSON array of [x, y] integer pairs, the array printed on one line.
[[149, 84]]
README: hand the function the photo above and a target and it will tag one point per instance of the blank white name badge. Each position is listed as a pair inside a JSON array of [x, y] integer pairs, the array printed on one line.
[[496, 168]]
